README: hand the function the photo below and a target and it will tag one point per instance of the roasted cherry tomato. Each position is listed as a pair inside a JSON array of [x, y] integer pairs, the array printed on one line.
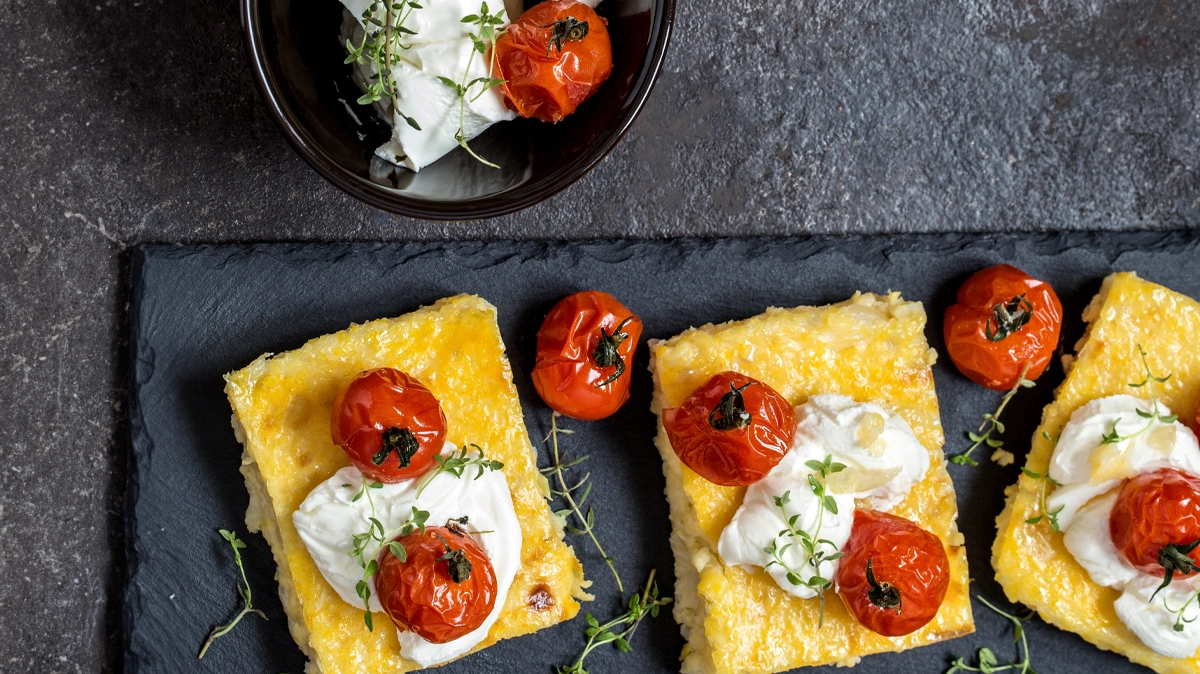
[[553, 58], [732, 430], [893, 574], [1004, 319], [389, 424], [445, 587], [584, 350], [1155, 522]]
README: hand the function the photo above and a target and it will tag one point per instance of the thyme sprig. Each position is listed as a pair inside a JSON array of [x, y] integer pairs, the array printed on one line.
[[376, 533], [819, 550], [1051, 516], [244, 590], [456, 463], [1180, 620], [647, 603], [986, 658], [567, 493], [992, 424], [1113, 436], [380, 47], [489, 27]]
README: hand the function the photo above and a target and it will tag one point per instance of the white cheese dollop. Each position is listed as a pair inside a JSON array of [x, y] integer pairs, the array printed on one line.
[[440, 47], [329, 517], [1091, 473], [883, 461]]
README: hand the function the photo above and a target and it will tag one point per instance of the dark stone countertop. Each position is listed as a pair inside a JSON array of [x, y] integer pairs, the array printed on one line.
[[126, 122]]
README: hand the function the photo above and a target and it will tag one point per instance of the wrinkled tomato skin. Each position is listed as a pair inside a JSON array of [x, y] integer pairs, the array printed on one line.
[[998, 365], [565, 374], [734, 457], [552, 88], [1152, 510], [419, 594], [373, 402], [902, 554]]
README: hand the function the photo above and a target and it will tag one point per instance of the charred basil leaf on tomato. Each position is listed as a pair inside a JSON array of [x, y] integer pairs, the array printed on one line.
[[893, 574], [584, 350], [732, 430], [390, 425], [1155, 523], [553, 58], [1003, 319], [442, 589]]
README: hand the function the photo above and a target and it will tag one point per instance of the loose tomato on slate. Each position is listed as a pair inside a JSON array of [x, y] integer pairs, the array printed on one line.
[[1155, 523], [584, 350], [552, 59], [390, 425], [1004, 319], [732, 430], [893, 574], [442, 590]]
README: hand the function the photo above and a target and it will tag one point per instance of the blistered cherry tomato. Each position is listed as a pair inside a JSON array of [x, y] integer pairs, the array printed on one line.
[[390, 425], [584, 350], [553, 58], [893, 574], [732, 430], [444, 589], [1153, 511], [1004, 319]]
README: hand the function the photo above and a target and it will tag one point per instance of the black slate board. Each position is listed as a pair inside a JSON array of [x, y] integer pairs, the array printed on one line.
[[199, 312]]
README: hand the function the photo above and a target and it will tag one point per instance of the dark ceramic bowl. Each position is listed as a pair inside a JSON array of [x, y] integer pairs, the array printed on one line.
[[297, 56]]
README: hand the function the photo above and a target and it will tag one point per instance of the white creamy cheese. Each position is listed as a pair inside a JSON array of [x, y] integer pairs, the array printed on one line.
[[1091, 474], [329, 517], [883, 461], [441, 47]]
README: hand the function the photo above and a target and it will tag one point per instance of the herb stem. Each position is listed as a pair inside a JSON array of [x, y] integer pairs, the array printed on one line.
[[993, 420], [566, 493], [639, 606], [244, 590]]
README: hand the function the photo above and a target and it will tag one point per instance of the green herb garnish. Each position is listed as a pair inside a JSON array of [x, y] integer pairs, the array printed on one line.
[[1113, 436], [380, 47], [244, 590], [986, 658], [488, 26], [819, 550], [376, 533], [992, 423], [567, 493], [456, 463], [639, 606]]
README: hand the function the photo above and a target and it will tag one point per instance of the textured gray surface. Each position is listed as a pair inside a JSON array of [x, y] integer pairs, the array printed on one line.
[[137, 121]]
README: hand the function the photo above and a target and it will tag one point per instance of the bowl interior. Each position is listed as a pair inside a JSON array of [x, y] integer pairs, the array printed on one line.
[[298, 52]]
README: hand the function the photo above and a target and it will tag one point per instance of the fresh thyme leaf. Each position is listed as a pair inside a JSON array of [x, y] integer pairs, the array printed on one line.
[[991, 422], [486, 27], [647, 603], [1152, 417], [380, 46], [986, 660], [567, 493], [456, 463], [243, 590], [375, 533]]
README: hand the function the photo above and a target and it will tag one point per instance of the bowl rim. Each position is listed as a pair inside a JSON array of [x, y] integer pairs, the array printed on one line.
[[474, 209]]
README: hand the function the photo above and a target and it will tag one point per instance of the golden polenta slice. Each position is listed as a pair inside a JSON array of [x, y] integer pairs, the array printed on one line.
[[281, 411], [1032, 564], [870, 348]]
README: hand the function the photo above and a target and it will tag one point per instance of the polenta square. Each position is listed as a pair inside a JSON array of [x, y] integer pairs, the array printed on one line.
[[870, 348], [281, 413], [1032, 563]]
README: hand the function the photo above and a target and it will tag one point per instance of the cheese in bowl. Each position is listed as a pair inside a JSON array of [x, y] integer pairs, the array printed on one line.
[[803, 451], [440, 72]]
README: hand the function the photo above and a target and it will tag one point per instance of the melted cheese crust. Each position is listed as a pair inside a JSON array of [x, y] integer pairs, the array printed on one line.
[[1032, 564], [282, 408], [871, 348]]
